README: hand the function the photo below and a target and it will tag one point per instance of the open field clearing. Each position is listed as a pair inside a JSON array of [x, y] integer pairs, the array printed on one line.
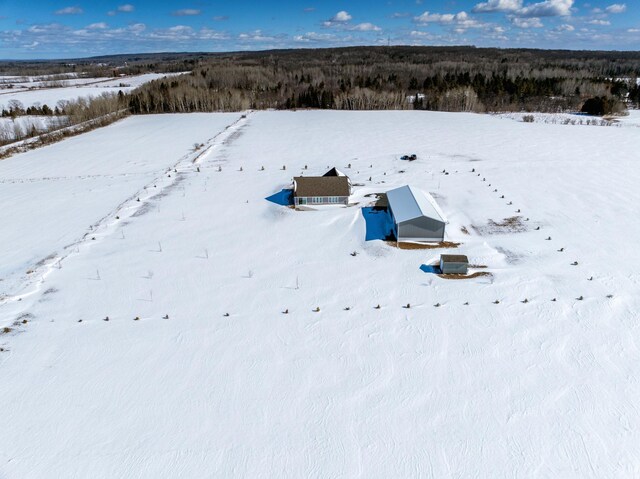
[[74, 88], [150, 337]]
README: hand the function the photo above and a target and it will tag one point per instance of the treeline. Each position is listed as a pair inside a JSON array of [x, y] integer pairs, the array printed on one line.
[[433, 78], [97, 111]]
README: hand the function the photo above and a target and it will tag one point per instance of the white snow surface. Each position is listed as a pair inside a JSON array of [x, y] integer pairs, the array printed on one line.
[[534, 388], [79, 88]]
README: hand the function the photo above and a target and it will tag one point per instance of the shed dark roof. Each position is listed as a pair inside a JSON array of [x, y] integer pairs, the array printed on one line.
[[454, 258], [321, 186]]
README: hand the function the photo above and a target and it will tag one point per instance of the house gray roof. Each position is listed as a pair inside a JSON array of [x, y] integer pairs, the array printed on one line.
[[306, 186], [408, 203], [454, 258]]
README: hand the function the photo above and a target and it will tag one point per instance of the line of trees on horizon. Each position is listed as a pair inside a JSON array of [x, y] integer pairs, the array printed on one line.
[[380, 78]]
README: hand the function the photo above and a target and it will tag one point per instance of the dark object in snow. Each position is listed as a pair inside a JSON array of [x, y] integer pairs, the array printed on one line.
[[591, 278], [609, 296], [437, 305], [580, 298], [166, 316], [79, 320], [496, 302], [408, 306], [93, 238], [226, 315], [106, 318], [502, 197], [355, 253], [518, 210], [348, 308], [317, 310], [466, 303], [412, 157], [117, 217], [575, 263], [554, 300], [525, 300], [473, 170], [377, 307], [137, 318], [560, 250], [284, 167], [548, 238], [286, 311], [537, 228], [197, 169], [262, 168], [138, 200]]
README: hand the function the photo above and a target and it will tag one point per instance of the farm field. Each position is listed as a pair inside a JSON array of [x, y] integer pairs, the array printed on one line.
[[143, 285], [74, 89]]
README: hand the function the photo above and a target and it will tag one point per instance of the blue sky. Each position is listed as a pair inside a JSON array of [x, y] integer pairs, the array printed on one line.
[[79, 28]]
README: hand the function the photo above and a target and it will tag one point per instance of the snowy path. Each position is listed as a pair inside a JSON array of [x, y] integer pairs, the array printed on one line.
[[153, 179]]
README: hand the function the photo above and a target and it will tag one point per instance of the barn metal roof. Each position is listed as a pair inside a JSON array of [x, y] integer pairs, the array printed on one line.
[[408, 202]]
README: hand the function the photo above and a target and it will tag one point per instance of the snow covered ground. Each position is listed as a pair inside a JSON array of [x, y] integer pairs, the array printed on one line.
[[78, 88], [524, 387], [577, 119]]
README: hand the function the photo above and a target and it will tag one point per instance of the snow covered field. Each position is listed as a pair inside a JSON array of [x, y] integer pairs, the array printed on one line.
[[78, 88], [525, 387]]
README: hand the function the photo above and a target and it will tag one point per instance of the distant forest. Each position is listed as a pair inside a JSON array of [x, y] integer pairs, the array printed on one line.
[[380, 78], [360, 78]]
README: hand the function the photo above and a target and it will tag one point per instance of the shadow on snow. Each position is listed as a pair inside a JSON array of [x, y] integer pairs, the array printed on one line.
[[379, 224], [282, 198], [426, 268]]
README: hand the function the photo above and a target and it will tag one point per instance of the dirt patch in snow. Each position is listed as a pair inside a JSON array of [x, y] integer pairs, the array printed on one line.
[[477, 274], [513, 224], [442, 244]]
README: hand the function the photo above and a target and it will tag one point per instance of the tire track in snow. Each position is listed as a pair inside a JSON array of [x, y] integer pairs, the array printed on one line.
[[126, 210]]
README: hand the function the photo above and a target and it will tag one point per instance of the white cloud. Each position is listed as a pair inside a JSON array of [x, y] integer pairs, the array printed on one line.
[[126, 8], [616, 8], [313, 37], [498, 6], [599, 22], [532, 22], [341, 16], [365, 27], [221, 18], [461, 20], [69, 11], [186, 12], [565, 27], [97, 26], [548, 8]]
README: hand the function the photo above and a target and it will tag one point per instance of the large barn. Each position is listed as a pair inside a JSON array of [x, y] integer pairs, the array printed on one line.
[[333, 188], [415, 215]]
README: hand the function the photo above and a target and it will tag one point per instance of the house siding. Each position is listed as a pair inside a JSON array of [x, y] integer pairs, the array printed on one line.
[[321, 200]]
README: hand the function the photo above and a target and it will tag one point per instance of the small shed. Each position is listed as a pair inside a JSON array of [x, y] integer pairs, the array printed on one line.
[[454, 264], [415, 215]]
